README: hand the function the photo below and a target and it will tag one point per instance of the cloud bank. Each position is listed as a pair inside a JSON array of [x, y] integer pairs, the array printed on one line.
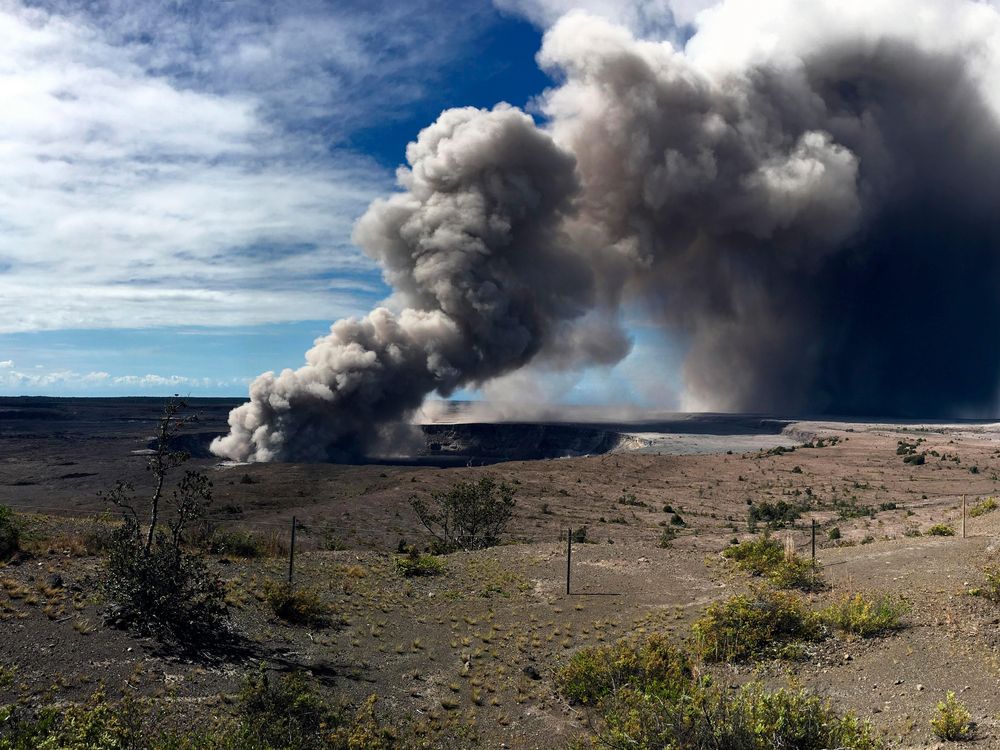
[[804, 193], [188, 163]]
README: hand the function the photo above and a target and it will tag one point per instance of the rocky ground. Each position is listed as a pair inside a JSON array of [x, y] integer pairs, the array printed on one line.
[[471, 654]]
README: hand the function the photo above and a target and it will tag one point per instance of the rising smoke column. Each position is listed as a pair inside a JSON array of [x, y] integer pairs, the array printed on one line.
[[484, 279], [806, 194], [816, 217]]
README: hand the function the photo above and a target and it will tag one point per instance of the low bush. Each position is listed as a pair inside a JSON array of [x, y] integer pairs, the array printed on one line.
[[834, 534], [644, 696], [667, 536], [866, 615], [988, 505], [162, 592], [940, 529], [991, 585], [768, 557], [95, 725], [795, 572], [287, 714], [652, 665], [746, 627], [296, 604], [756, 556], [750, 719], [271, 714], [10, 532], [98, 535], [415, 564], [953, 722], [629, 498], [775, 515], [245, 544]]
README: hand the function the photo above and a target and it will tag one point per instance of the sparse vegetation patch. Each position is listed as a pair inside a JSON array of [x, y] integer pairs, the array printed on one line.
[[297, 605], [747, 627], [940, 529], [953, 722], [983, 507], [416, 564], [867, 615], [10, 532]]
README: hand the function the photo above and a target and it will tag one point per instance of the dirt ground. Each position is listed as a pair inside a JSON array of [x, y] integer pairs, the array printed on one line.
[[470, 655]]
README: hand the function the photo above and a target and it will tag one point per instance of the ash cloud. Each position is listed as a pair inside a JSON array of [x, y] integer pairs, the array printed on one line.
[[806, 194], [485, 279]]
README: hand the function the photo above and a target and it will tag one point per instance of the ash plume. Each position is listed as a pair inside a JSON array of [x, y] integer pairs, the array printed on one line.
[[805, 194], [485, 279]]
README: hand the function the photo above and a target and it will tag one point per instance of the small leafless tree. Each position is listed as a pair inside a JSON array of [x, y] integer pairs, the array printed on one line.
[[188, 501]]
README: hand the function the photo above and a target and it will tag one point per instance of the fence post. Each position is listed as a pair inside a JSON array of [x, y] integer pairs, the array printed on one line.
[[569, 556], [291, 554], [963, 515], [814, 543]]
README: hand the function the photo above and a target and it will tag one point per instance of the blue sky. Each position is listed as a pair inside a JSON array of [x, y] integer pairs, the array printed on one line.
[[179, 180]]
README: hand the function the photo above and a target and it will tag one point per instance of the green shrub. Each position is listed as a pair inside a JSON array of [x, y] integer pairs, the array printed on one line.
[[866, 615], [758, 556], [744, 627], [163, 592], [991, 588], [98, 535], [629, 498], [580, 535], [940, 529], [953, 722], [245, 544], [795, 573], [94, 725], [296, 604], [708, 718], [764, 720], [775, 515], [651, 665], [414, 564], [988, 505], [271, 714], [834, 534], [668, 536], [767, 557], [470, 515], [10, 532], [285, 713]]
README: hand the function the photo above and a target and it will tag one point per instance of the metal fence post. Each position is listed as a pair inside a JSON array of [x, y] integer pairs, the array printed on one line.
[[291, 554], [569, 556]]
